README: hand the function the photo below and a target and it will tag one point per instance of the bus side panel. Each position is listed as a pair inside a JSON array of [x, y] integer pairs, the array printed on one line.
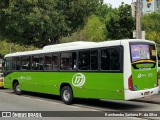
[[96, 85], [7, 82], [102, 86]]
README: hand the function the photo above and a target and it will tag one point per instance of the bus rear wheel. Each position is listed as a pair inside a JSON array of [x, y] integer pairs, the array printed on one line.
[[67, 95], [16, 88]]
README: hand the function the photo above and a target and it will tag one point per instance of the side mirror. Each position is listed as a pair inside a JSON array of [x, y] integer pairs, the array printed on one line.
[[3, 64]]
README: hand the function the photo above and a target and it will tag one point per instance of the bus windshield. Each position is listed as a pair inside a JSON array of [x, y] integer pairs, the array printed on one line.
[[143, 52]]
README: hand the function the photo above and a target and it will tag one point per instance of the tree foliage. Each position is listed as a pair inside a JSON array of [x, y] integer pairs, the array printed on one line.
[[103, 11], [151, 25], [94, 30], [106, 23], [6, 47], [76, 11], [120, 25], [42, 22]]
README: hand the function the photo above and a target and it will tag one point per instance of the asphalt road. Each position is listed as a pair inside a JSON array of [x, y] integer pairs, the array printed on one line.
[[41, 102]]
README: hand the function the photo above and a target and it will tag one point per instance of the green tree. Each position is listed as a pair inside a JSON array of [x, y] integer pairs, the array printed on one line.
[[94, 29], [31, 22], [120, 25], [76, 11], [103, 10], [42, 22], [6, 47], [151, 25]]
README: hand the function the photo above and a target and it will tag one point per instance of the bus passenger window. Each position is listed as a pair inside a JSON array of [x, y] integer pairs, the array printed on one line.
[[94, 59], [41, 62], [115, 59], [105, 59], [7, 66], [84, 60], [110, 59], [55, 61], [35, 63], [74, 61], [68, 61], [16, 63], [65, 61], [48, 62], [25, 63]]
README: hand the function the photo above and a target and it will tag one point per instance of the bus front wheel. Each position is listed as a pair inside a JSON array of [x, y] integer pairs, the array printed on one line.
[[67, 95], [16, 88]]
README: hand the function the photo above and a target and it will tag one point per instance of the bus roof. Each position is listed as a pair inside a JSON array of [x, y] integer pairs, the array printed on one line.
[[79, 45], [70, 44]]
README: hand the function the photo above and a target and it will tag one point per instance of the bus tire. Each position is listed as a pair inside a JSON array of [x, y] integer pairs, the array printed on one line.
[[67, 95], [16, 88]]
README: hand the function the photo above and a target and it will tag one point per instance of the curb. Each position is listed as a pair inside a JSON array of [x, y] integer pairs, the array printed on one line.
[[147, 101]]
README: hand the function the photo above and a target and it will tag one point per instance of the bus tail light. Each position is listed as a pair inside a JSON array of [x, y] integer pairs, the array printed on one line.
[[130, 83]]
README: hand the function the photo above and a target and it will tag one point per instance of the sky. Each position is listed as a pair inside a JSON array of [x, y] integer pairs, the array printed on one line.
[[116, 3]]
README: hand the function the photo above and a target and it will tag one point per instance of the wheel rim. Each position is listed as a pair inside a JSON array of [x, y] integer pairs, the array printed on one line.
[[18, 88], [66, 95]]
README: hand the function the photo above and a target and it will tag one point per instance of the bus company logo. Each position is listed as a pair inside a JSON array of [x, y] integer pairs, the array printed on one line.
[[78, 80], [150, 74], [139, 75], [25, 78]]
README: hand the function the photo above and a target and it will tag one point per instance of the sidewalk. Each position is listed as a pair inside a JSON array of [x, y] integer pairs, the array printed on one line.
[[150, 99]]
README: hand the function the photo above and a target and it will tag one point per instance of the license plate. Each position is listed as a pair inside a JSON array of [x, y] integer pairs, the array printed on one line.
[[146, 93]]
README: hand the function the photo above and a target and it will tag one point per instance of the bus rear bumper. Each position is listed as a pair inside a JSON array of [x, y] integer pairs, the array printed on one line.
[[129, 95]]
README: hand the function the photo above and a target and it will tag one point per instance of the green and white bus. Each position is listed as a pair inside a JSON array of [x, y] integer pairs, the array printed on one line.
[[115, 70]]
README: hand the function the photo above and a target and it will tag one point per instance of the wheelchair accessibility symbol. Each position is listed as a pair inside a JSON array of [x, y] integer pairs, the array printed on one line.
[[78, 80]]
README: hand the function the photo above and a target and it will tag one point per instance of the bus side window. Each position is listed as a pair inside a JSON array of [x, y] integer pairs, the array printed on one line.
[[74, 60], [94, 59], [105, 59], [35, 62], [7, 67], [55, 61], [41, 62], [110, 58], [65, 61], [25, 63], [16, 63], [84, 60], [68, 61], [115, 59], [48, 62]]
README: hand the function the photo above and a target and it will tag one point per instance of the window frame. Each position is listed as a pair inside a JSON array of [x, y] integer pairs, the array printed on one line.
[[45, 59], [29, 61], [90, 59], [39, 55], [121, 59], [70, 52], [98, 49], [16, 63]]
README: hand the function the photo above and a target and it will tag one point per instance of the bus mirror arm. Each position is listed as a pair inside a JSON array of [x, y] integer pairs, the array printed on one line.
[[3, 64]]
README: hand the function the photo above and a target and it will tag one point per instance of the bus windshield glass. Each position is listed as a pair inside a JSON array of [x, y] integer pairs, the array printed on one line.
[[143, 52]]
